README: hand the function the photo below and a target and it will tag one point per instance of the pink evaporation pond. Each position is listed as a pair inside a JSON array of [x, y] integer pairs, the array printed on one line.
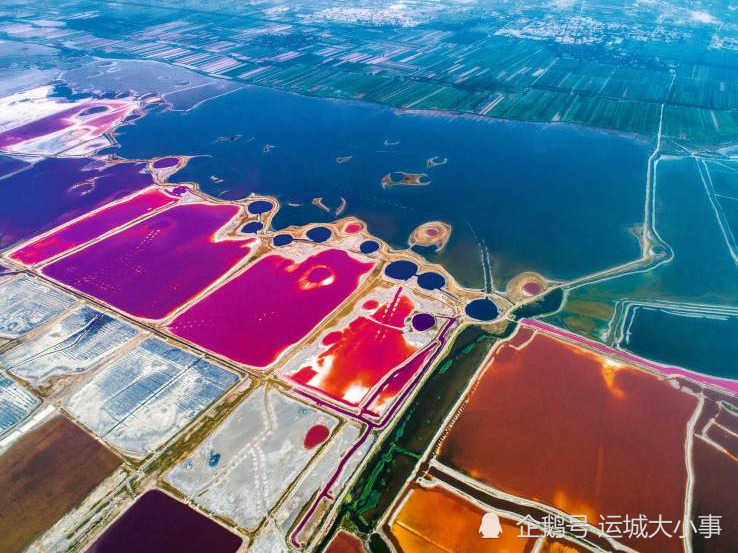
[[315, 436], [92, 226], [155, 266], [370, 305], [359, 356], [353, 228], [431, 231], [532, 288], [272, 305]]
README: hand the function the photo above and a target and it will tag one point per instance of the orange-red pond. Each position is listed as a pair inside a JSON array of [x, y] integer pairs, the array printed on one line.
[[566, 427], [92, 226], [715, 474], [155, 266], [343, 542], [436, 520], [394, 385], [357, 357], [272, 305]]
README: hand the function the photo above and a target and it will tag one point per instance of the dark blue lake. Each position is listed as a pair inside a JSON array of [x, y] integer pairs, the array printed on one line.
[[706, 343], [554, 199]]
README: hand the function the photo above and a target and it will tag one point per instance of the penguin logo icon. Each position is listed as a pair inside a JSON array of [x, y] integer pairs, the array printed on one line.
[[490, 527]]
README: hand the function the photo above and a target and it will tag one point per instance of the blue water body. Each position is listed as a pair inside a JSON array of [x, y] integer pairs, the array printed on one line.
[[724, 177], [9, 165], [401, 270], [55, 191], [369, 246], [729, 208], [319, 234], [702, 342], [282, 240], [260, 206], [482, 309], [554, 199], [431, 281], [701, 271], [252, 227]]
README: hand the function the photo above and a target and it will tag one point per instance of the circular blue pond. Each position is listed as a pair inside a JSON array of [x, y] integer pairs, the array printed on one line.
[[369, 246], [282, 240], [401, 270], [252, 227], [92, 111], [319, 234], [260, 206], [483, 309], [431, 281]]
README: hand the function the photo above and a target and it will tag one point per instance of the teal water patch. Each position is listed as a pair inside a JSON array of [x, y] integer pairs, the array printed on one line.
[[729, 208], [554, 199], [724, 177], [693, 339], [701, 271]]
